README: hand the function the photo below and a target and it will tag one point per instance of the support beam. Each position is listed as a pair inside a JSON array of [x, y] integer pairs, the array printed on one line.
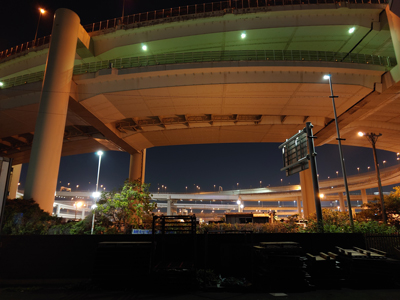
[[16, 173], [394, 25], [45, 157], [169, 207], [137, 166], [307, 193], [364, 196], [341, 202], [298, 201]]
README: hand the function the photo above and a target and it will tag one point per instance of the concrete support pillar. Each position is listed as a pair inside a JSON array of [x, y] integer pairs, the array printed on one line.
[[307, 193], [364, 197], [169, 207], [137, 166], [58, 210], [41, 181], [341, 202], [16, 173], [83, 213], [394, 25], [298, 200]]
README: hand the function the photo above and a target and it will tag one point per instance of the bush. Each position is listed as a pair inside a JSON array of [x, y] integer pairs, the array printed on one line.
[[339, 222], [24, 217]]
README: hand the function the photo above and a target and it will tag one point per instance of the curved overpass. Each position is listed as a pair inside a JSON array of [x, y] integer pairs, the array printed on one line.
[[233, 74], [290, 197]]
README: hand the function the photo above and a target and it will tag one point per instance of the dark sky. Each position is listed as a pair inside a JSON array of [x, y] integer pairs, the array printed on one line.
[[175, 166]]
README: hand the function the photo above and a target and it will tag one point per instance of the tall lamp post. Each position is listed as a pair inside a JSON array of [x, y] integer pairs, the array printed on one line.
[[41, 12], [77, 205], [340, 150], [373, 138], [96, 194]]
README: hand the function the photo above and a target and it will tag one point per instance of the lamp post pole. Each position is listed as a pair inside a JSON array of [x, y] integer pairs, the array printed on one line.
[[372, 138], [123, 11], [96, 194], [340, 151], [41, 12]]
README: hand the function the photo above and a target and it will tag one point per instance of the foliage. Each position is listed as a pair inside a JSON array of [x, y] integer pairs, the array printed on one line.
[[71, 228], [277, 227], [339, 222], [24, 217], [120, 212], [208, 278], [373, 211]]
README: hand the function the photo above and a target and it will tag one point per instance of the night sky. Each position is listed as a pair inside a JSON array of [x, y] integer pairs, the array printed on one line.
[[174, 166]]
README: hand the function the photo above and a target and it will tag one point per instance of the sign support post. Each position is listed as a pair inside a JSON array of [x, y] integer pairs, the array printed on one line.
[[313, 164]]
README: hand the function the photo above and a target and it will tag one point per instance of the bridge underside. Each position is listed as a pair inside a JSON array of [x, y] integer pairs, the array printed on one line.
[[131, 111], [231, 77]]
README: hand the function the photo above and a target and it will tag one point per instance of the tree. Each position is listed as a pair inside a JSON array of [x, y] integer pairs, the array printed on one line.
[[120, 212], [373, 211]]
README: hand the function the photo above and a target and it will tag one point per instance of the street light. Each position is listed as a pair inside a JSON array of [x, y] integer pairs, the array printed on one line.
[[373, 138], [77, 205], [41, 12], [96, 194], [123, 11], [328, 77], [358, 170], [384, 162], [99, 153]]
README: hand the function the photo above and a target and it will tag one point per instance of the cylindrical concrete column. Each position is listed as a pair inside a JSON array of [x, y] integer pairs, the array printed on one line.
[[137, 166], [364, 196], [307, 193], [58, 210], [394, 26], [298, 200], [169, 207], [341, 202], [16, 173], [44, 162]]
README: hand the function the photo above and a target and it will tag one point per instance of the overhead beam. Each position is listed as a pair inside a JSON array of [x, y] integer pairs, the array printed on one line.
[[81, 111]]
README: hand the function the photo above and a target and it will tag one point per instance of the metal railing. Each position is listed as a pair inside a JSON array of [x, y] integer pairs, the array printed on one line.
[[204, 9], [213, 56]]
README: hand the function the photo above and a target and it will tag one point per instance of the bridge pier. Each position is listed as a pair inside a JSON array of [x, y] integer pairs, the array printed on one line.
[[44, 163], [341, 202], [394, 26], [16, 173], [307, 193], [137, 166], [364, 197], [298, 200]]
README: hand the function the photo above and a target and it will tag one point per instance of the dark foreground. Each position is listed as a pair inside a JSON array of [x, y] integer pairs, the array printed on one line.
[[33, 293]]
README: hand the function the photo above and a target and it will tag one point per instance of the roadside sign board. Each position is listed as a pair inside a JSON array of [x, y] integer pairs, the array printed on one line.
[[295, 153]]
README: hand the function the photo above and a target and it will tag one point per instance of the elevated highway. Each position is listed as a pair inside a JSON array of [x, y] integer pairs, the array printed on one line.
[[228, 72], [285, 200]]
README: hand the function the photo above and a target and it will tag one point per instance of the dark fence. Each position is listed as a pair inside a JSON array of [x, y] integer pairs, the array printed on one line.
[[387, 243], [73, 257]]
